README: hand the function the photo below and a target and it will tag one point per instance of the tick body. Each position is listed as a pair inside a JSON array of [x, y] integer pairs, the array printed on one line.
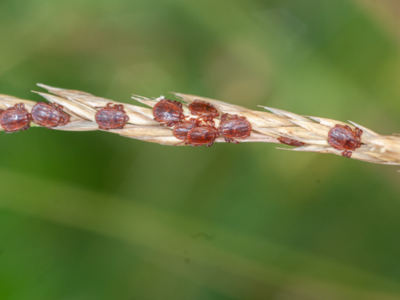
[[168, 112], [290, 142], [111, 117], [15, 118], [233, 126], [203, 109], [202, 135], [182, 129], [344, 138], [49, 115]]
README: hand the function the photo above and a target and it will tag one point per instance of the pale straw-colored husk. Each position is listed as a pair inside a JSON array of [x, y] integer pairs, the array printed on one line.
[[267, 126]]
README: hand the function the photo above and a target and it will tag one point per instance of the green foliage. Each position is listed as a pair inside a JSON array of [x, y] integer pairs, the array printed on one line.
[[91, 215]]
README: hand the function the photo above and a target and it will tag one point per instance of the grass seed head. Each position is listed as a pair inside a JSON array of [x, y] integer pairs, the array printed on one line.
[[267, 126]]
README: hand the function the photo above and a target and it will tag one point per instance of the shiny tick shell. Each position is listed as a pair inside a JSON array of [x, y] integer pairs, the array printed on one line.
[[49, 115], [111, 117], [234, 126], [168, 112], [202, 135], [15, 118], [203, 109], [344, 138], [182, 129]]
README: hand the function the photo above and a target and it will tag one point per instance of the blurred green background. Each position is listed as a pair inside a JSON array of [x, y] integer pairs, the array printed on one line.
[[91, 215]]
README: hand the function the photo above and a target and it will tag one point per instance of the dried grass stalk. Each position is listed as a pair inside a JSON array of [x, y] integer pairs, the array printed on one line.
[[267, 126]]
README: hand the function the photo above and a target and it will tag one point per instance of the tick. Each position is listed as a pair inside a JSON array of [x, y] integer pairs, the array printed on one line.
[[182, 129], [111, 117], [290, 142], [233, 126], [168, 112], [49, 114], [344, 138], [203, 109], [15, 118], [202, 135]]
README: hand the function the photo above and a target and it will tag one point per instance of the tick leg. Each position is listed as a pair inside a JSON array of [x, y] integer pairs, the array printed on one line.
[[64, 120], [185, 142], [182, 117], [359, 132], [347, 153], [194, 121], [348, 127], [224, 117], [210, 144], [26, 127], [58, 107], [209, 120], [228, 140], [172, 123], [211, 123]]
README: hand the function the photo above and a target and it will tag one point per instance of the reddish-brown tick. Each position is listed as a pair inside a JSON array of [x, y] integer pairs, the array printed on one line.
[[290, 142], [233, 126], [49, 115], [182, 129], [168, 112], [202, 135], [110, 117], [203, 109], [15, 118], [344, 138]]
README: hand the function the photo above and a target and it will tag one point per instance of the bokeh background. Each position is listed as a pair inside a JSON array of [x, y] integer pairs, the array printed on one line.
[[92, 215]]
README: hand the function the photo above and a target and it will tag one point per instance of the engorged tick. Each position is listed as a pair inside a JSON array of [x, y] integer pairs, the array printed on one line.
[[203, 109], [233, 126], [110, 117], [202, 135], [290, 142], [49, 114], [15, 118], [344, 138], [168, 112]]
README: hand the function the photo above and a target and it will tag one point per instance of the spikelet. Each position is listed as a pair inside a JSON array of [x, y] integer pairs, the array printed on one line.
[[267, 126]]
